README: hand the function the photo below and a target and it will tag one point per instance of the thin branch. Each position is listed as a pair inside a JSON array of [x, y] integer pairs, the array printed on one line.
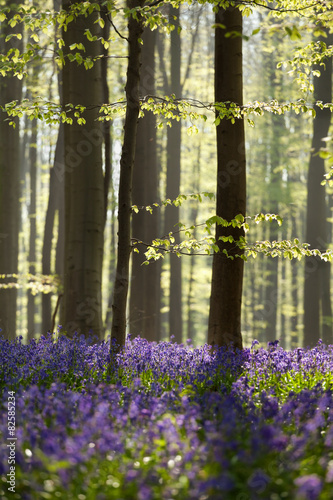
[[55, 312], [274, 9], [114, 27]]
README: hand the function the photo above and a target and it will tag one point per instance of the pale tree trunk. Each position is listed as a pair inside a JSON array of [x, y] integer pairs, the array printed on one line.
[[112, 256], [118, 329], [108, 177], [316, 291], [84, 187], [55, 203], [106, 124], [10, 90], [32, 218], [173, 186], [277, 131], [191, 275], [144, 305], [227, 277]]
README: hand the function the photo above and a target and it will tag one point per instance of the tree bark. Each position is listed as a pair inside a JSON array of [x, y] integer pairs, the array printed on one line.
[[10, 90], [55, 203], [84, 186], [106, 124], [316, 231], [224, 326], [33, 232], [173, 186], [144, 306], [118, 329]]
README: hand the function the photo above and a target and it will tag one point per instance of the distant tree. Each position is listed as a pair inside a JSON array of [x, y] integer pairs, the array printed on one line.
[[173, 181], [10, 90], [224, 325], [274, 158], [317, 301], [33, 231], [55, 206]]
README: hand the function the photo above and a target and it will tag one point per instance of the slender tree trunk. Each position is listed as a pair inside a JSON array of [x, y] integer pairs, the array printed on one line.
[[108, 179], [106, 124], [10, 90], [84, 186], [316, 213], [33, 232], [112, 257], [191, 277], [118, 330], [173, 186], [227, 277], [138, 289], [326, 304], [55, 203], [294, 291]]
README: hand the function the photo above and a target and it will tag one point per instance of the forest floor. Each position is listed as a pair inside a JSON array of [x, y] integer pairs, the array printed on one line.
[[165, 421]]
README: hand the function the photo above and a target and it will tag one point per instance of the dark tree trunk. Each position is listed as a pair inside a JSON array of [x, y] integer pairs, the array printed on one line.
[[118, 330], [144, 306], [227, 277], [10, 90], [84, 186], [316, 233]]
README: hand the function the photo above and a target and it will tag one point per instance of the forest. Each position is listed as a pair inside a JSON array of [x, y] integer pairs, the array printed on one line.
[[166, 197], [68, 255]]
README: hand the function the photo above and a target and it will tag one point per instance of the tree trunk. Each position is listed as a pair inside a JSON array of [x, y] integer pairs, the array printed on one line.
[[106, 124], [316, 212], [55, 202], [33, 233], [118, 330], [227, 277], [84, 186], [10, 90], [173, 185], [144, 307]]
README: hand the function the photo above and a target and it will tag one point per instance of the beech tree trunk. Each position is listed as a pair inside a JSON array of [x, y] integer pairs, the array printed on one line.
[[144, 304], [118, 329], [33, 232], [224, 326], [173, 186], [316, 291], [55, 203], [55, 206], [10, 90], [84, 186]]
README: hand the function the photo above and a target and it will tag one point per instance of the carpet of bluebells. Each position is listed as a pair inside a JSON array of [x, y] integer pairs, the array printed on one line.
[[164, 421]]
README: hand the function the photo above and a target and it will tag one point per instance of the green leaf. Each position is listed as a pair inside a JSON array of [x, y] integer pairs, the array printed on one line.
[[240, 218]]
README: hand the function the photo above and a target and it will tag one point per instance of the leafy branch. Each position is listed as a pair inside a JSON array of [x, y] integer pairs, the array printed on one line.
[[208, 245], [169, 108]]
